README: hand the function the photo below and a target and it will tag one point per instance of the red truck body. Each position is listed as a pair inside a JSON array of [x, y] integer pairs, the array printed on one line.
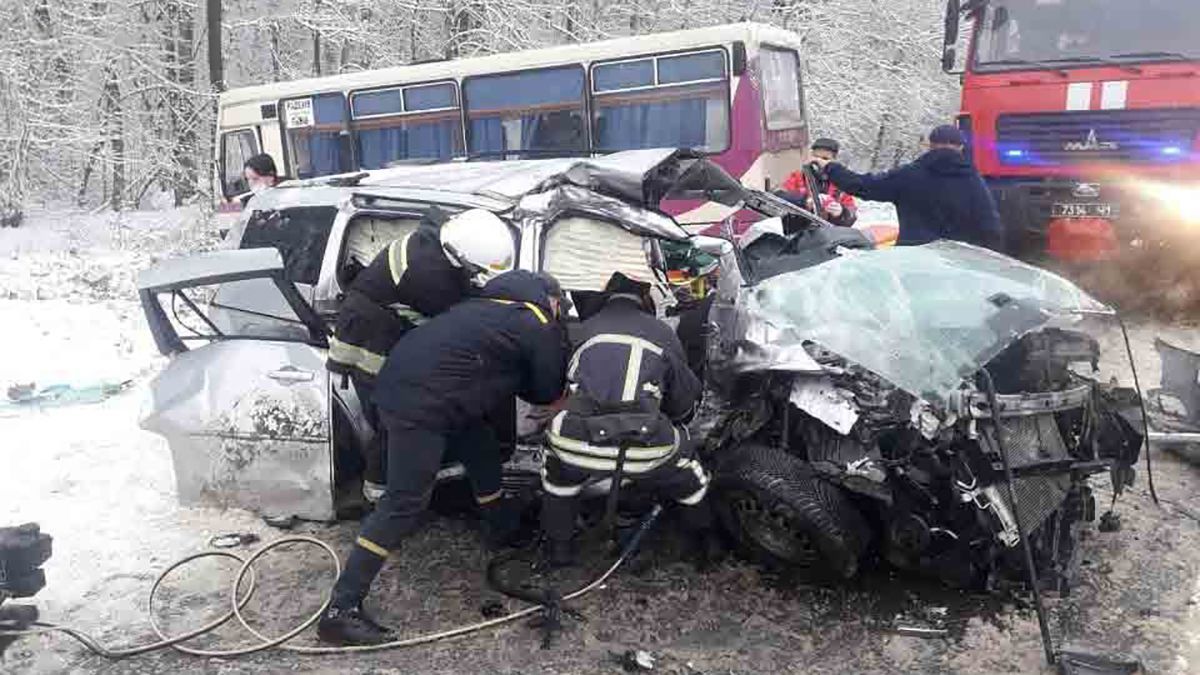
[[1085, 131]]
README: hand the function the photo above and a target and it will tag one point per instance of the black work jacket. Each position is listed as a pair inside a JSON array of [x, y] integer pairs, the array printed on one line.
[[408, 281], [448, 373], [627, 364]]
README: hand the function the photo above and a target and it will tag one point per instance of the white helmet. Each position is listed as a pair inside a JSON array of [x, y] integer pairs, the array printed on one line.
[[478, 239]]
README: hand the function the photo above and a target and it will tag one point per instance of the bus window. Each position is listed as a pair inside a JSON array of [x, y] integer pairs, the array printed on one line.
[[236, 147], [314, 127], [782, 97], [675, 101], [406, 123], [533, 110]]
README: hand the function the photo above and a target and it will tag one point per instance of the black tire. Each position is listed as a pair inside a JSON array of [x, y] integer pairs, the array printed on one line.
[[784, 516]]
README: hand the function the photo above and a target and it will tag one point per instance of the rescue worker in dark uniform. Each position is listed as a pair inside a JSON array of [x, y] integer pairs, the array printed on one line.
[[433, 393], [628, 372], [415, 277]]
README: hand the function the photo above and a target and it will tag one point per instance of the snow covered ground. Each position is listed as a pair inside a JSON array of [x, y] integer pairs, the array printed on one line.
[[105, 490]]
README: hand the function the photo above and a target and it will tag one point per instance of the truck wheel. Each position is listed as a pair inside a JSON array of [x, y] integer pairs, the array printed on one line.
[[782, 515]]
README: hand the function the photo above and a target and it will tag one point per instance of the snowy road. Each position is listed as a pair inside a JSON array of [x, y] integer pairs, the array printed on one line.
[[104, 490]]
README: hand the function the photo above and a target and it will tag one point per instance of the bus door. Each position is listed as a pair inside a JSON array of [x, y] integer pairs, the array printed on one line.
[[237, 146]]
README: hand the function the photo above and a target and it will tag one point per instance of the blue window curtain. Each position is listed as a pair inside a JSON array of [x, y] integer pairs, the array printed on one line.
[[431, 140], [670, 124], [492, 99], [487, 135], [319, 152]]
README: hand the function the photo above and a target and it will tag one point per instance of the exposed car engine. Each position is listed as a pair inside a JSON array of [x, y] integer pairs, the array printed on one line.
[[923, 488]]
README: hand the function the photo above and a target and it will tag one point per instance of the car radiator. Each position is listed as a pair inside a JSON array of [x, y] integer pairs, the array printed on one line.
[[1031, 440]]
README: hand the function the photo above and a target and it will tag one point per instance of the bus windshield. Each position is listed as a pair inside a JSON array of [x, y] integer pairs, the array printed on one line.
[[1019, 34]]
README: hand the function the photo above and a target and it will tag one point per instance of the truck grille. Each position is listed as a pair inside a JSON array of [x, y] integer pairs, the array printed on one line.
[[1143, 136]]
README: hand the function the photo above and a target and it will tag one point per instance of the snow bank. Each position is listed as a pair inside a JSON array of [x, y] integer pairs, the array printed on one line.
[[94, 256], [68, 298]]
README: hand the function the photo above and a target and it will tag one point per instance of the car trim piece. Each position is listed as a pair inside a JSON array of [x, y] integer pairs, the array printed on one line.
[[975, 405]]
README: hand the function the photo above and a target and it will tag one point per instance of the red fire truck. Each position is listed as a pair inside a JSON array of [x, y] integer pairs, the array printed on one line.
[[1082, 116]]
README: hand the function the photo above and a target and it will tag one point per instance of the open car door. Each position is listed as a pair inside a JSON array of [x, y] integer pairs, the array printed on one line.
[[245, 401]]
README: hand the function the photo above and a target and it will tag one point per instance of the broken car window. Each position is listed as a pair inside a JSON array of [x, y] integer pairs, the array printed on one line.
[[893, 311], [300, 233], [248, 309]]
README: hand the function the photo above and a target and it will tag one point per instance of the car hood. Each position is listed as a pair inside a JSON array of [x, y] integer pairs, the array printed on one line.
[[923, 317]]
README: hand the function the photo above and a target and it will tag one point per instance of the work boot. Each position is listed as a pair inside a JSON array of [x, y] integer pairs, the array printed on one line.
[[707, 549], [502, 525], [706, 546], [350, 626]]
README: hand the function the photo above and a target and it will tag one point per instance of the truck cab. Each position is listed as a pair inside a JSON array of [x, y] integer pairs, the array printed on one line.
[[1082, 117]]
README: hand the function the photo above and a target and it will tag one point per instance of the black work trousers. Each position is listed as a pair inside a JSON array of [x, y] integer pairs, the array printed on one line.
[[681, 479], [374, 463], [414, 458]]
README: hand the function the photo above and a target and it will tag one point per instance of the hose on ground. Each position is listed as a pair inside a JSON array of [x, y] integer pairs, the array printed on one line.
[[239, 599]]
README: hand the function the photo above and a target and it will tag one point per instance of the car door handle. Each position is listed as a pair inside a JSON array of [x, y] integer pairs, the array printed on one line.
[[291, 374]]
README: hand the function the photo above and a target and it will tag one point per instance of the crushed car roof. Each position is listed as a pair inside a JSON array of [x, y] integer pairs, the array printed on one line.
[[642, 177]]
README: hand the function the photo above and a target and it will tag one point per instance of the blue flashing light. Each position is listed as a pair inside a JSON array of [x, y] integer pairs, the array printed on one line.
[[1014, 153], [1172, 151]]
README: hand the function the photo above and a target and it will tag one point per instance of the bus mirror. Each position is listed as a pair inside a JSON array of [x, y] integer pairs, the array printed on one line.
[[949, 57], [739, 58], [953, 10]]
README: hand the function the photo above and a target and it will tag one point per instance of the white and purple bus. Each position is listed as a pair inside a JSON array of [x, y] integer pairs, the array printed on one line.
[[733, 92]]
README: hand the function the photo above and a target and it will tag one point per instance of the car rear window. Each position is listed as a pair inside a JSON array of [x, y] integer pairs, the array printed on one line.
[[299, 233]]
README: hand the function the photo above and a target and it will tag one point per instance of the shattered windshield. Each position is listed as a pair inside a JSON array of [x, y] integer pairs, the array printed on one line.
[[924, 317]]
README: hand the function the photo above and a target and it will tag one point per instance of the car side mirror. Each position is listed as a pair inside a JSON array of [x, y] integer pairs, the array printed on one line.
[[714, 246]]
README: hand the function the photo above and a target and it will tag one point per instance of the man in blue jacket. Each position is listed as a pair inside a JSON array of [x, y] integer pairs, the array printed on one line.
[[939, 196], [434, 392]]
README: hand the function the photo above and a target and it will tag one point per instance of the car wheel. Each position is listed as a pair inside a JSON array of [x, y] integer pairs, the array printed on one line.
[[782, 515]]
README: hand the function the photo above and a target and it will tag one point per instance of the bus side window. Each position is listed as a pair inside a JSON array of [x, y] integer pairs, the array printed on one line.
[[236, 147], [532, 110], [315, 127], [396, 124], [674, 101], [783, 99]]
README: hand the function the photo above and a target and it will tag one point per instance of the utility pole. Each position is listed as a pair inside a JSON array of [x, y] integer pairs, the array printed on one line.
[[216, 59]]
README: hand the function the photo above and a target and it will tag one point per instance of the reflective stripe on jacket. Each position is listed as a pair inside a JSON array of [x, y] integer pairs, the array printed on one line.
[[628, 363], [409, 280]]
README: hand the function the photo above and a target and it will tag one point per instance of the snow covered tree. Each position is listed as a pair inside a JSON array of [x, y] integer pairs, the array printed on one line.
[[103, 102]]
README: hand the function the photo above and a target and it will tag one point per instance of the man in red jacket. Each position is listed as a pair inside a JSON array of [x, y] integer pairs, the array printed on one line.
[[839, 207]]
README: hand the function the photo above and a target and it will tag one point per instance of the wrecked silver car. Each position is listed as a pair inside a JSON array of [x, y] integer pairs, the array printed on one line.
[[251, 415], [872, 402]]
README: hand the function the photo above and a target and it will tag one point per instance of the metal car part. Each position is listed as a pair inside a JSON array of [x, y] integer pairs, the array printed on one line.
[[974, 404]]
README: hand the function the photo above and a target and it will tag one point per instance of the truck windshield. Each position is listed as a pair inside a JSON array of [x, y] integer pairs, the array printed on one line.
[[1021, 34]]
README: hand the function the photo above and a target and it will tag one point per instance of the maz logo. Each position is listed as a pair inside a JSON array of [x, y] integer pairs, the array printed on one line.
[[1092, 144]]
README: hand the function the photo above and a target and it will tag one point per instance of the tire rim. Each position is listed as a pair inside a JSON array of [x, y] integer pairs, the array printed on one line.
[[773, 530]]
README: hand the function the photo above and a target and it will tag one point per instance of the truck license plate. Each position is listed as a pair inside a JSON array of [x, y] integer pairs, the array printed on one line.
[[1086, 210]]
